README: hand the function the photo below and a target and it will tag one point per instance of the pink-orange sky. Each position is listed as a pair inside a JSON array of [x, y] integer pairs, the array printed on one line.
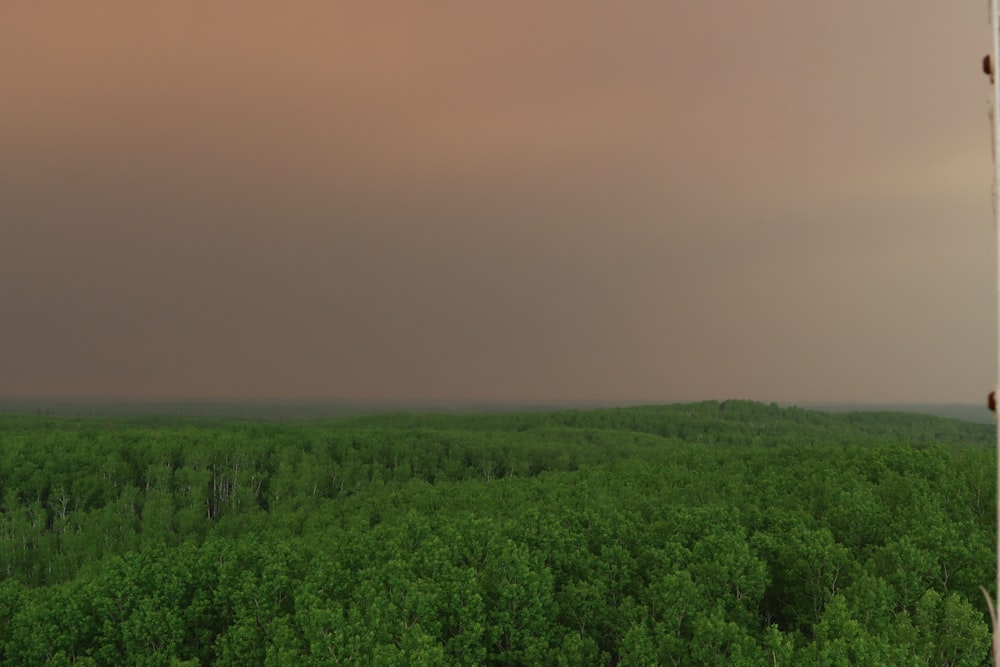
[[649, 200]]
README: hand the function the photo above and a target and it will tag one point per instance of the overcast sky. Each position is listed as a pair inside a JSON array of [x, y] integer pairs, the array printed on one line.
[[646, 200]]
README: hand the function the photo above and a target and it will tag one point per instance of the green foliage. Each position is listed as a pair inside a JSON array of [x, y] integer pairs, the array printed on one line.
[[702, 534]]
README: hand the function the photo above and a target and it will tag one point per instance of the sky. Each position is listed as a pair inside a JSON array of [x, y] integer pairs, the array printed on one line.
[[647, 200]]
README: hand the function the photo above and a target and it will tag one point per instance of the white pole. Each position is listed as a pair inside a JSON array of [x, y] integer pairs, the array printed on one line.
[[995, 122]]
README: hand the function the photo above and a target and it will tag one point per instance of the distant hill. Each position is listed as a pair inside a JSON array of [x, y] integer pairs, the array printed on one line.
[[269, 409], [314, 408], [971, 412]]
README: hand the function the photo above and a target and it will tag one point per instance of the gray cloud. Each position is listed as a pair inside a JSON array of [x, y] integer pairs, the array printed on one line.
[[655, 201]]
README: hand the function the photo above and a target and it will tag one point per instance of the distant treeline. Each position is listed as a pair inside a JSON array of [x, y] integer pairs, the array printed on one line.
[[697, 534], [320, 409]]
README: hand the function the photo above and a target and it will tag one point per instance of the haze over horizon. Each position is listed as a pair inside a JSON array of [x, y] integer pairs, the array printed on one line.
[[566, 201]]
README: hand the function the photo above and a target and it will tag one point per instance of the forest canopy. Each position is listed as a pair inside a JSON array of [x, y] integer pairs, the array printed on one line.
[[698, 534]]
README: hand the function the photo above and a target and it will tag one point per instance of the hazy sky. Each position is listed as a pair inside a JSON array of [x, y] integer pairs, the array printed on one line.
[[647, 200]]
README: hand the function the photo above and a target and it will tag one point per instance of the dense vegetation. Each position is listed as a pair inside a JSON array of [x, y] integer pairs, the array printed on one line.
[[704, 534]]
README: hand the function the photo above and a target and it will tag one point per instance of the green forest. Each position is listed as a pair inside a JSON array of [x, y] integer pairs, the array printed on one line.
[[732, 533]]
